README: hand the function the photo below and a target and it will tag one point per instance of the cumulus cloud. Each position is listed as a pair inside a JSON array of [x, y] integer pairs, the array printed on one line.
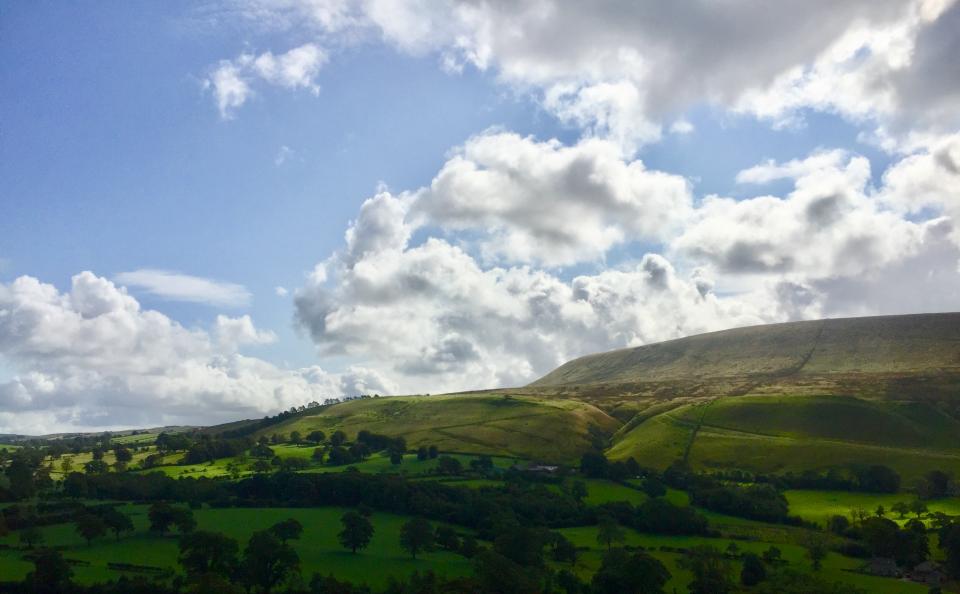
[[827, 226], [547, 203], [231, 80], [899, 74], [92, 357], [183, 287], [619, 69], [433, 318]]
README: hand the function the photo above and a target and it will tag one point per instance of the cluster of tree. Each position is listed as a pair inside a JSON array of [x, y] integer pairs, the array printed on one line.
[[657, 516], [594, 464], [209, 448], [935, 485], [757, 502], [875, 478]]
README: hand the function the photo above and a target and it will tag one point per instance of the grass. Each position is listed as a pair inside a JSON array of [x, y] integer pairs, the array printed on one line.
[[777, 434], [510, 426], [818, 506], [318, 548]]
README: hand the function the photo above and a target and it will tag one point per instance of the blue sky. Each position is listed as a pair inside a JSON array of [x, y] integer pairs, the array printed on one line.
[[115, 158]]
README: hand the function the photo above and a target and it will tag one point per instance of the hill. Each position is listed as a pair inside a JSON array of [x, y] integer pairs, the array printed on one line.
[[775, 398], [484, 423]]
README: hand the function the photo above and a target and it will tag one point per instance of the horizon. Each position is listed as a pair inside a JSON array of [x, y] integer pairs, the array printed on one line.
[[220, 210]]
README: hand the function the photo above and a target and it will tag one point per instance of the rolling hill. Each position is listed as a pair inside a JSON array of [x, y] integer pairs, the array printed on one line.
[[774, 398]]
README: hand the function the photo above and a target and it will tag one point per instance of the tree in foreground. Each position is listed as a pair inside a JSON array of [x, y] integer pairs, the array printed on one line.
[[289, 529], [901, 508], [609, 532], [415, 536], [710, 569], [51, 572], [817, 550], [357, 531], [949, 540], [90, 527], [267, 561], [203, 552], [30, 536], [753, 572], [630, 573], [117, 522]]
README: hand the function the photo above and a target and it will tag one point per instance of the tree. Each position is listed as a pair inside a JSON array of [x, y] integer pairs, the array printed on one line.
[[289, 529], [184, 520], [918, 507], [609, 532], [711, 571], [772, 555], [96, 467], [593, 464], [30, 536], [625, 573], [653, 487], [318, 455], [446, 538], [469, 547], [901, 508], [423, 453], [449, 465], [20, 476], [396, 458], [880, 511], [562, 549], [949, 539], [203, 552], [267, 561], [579, 491], [117, 522], [838, 524], [295, 437], [753, 572], [316, 437], [416, 535], [498, 574], [90, 527], [122, 453], [66, 465], [161, 516], [338, 438], [357, 531], [51, 572], [433, 452], [817, 549]]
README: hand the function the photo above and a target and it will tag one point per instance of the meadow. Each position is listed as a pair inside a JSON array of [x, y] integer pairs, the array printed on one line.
[[318, 547]]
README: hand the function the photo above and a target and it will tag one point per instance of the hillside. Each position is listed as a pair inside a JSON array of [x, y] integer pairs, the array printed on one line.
[[489, 423], [875, 354]]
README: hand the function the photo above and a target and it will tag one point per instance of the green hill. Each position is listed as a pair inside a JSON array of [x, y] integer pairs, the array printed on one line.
[[775, 398], [486, 423]]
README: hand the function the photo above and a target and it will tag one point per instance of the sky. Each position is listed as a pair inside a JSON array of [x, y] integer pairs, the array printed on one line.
[[218, 210]]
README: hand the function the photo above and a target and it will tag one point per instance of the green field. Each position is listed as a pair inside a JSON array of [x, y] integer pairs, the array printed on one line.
[[818, 506], [835, 567], [318, 548]]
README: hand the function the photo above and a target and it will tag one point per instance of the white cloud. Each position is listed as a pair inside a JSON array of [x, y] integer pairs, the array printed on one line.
[[231, 80], [91, 357], [281, 291], [283, 155], [183, 287], [544, 202], [620, 69]]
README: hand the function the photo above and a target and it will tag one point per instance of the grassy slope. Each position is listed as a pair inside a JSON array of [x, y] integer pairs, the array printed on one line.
[[797, 433], [523, 427], [884, 345]]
